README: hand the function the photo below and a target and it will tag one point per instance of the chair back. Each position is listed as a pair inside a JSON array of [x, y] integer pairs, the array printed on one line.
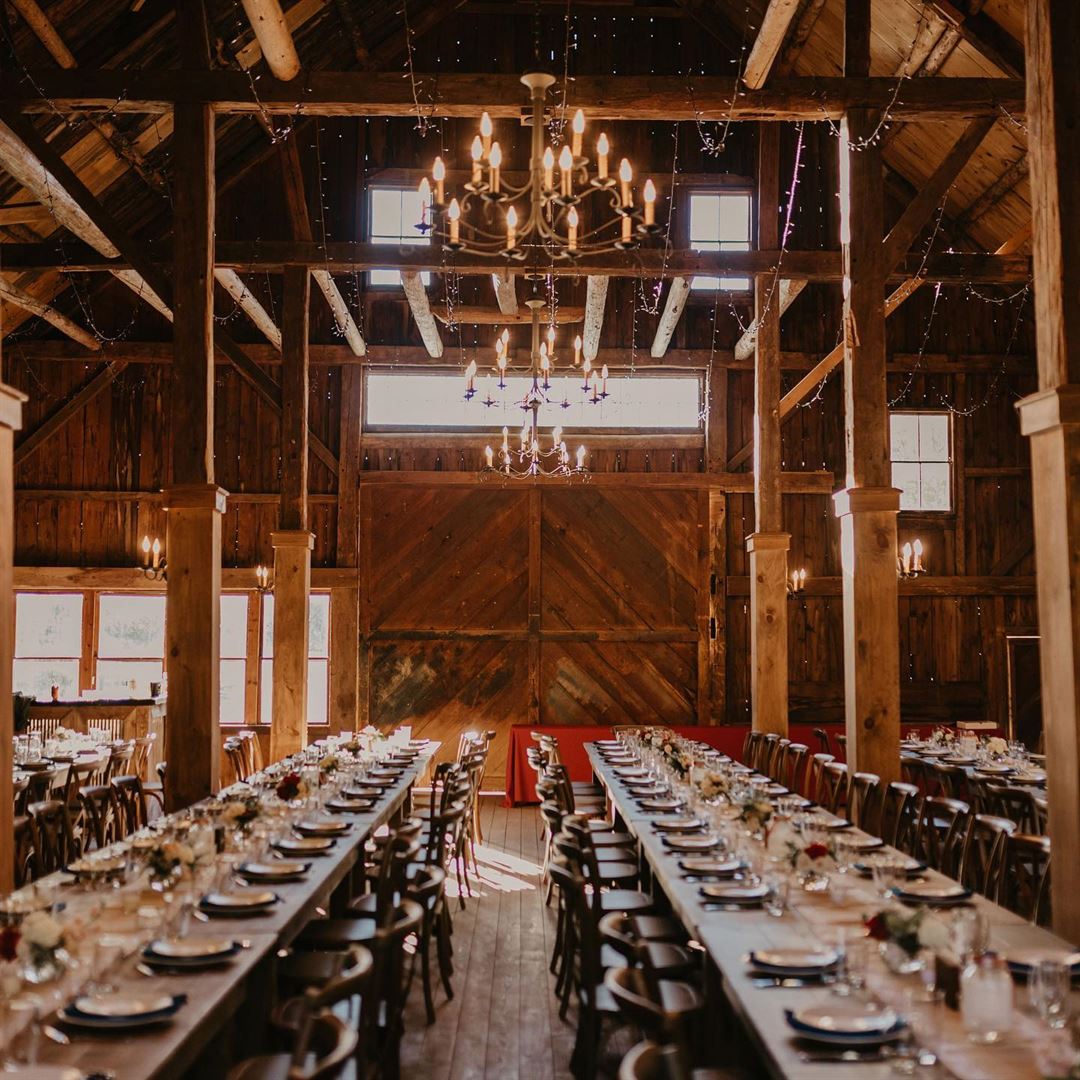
[[790, 771], [324, 1045], [822, 737], [120, 760], [899, 822], [442, 835], [144, 744], [82, 774], [765, 751], [1016, 804], [835, 794], [777, 754], [864, 801], [40, 785], [815, 776], [20, 790], [942, 828], [751, 747], [54, 839], [237, 758], [99, 816], [130, 804], [951, 780], [381, 1013], [650, 1061], [1025, 884], [24, 849], [982, 864]]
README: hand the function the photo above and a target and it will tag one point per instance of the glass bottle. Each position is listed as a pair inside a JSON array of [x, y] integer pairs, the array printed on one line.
[[986, 999]]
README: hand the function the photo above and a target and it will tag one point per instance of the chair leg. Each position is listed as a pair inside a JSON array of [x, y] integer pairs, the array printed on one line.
[[425, 968], [446, 967]]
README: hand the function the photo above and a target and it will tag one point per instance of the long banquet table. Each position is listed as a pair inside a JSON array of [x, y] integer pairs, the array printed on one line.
[[241, 989], [728, 935]]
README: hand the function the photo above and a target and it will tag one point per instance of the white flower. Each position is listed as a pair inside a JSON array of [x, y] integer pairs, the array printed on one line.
[[997, 745], [933, 933], [42, 931], [178, 853]]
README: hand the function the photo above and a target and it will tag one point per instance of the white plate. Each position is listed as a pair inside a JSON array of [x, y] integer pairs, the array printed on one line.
[[678, 824], [194, 948], [282, 869], [707, 865], [691, 843], [853, 1019], [311, 845], [995, 770], [1028, 958], [239, 901], [735, 894], [122, 1006], [795, 959], [934, 890], [321, 828], [864, 843]]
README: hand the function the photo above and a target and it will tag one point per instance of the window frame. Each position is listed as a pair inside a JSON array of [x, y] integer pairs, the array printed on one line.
[[261, 658], [732, 185], [950, 461], [79, 658], [99, 623], [369, 234]]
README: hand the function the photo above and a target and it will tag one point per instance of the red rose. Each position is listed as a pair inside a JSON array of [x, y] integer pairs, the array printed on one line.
[[9, 940], [816, 851], [877, 929]]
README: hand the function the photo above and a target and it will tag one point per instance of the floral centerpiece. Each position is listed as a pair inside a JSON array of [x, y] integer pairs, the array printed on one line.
[[329, 765], [755, 812], [942, 737], [713, 785], [168, 860], [997, 746], [813, 861], [901, 933], [291, 786], [241, 813], [40, 944]]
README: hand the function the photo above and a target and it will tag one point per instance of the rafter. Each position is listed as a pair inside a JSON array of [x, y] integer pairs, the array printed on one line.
[[417, 296], [477, 315], [673, 309], [744, 347], [505, 285], [774, 27], [249, 304], [274, 37], [16, 296], [596, 290]]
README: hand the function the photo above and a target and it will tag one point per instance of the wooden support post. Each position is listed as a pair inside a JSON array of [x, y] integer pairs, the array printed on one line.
[[1052, 418], [194, 503], [711, 601], [11, 402], [868, 505], [534, 594], [345, 645], [768, 544], [293, 543]]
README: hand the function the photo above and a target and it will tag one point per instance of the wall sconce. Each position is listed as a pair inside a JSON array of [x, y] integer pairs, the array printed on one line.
[[153, 563], [263, 581], [909, 563], [797, 583]]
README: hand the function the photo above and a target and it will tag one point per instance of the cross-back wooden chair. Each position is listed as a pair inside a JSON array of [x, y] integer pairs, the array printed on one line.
[[822, 737], [942, 829], [982, 863], [1025, 884], [130, 804], [20, 790], [120, 759], [864, 801], [790, 770], [814, 784], [835, 796], [23, 849], [144, 746], [100, 819], [55, 844], [899, 821], [1016, 804]]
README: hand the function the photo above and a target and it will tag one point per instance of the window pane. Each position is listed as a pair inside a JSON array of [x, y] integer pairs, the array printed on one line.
[[704, 221], [319, 625], [234, 608], [933, 437], [127, 678], [37, 677], [720, 222], [132, 626], [904, 436], [395, 213], [266, 691], [905, 476], [232, 682], [935, 486], [48, 624], [734, 217], [267, 625], [437, 401], [393, 277], [318, 701]]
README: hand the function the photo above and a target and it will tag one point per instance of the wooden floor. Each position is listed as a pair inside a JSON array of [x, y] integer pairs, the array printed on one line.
[[503, 1021]]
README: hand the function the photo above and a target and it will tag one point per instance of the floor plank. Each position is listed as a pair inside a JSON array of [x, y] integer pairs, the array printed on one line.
[[503, 1020]]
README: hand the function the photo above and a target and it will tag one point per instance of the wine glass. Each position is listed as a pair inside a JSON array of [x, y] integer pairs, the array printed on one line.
[[1049, 983]]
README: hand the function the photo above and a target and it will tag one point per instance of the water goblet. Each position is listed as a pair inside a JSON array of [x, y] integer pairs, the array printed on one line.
[[1049, 983], [776, 899]]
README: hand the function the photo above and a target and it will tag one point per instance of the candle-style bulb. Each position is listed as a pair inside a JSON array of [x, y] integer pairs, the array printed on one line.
[[581, 457], [649, 196], [578, 129], [602, 149], [146, 545], [495, 159], [476, 151], [577, 350], [566, 159], [486, 126], [511, 227], [549, 168], [453, 213], [490, 455], [626, 174], [438, 170]]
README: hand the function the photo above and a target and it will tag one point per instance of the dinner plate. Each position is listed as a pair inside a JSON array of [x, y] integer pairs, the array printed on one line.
[[936, 753], [121, 1010], [912, 869], [734, 893], [1036, 776], [692, 843], [995, 770], [846, 1025], [794, 961], [390, 774], [240, 903], [284, 870], [836, 824], [304, 845], [1023, 960], [193, 952], [350, 806], [678, 824], [321, 828], [864, 843], [379, 782], [933, 893], [632, 772], [362, 793], [776, 790], [706, 864], [959, 760], [659, 805]]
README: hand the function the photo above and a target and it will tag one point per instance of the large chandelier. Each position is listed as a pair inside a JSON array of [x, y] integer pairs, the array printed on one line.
[[552, 225], [535, 454]]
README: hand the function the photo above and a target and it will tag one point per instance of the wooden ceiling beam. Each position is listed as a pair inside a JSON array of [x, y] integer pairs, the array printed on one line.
[[669, 319], [66, 326], [274, 37], [477, 315], [989, 198], [417, 296], [596, 290], [983, 34], [603, 97], [789, 289], [771, 34], [505, 284], [249, 304], [45, 32]]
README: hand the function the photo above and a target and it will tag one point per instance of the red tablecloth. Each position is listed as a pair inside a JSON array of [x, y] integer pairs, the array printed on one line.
[[521, 780]]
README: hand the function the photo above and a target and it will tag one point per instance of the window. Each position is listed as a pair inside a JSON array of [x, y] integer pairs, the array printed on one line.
[[394, 216], [48, 644], [131, 644], [720, 221], [318, 710], [921, 459], [233, 678], [402, 400]]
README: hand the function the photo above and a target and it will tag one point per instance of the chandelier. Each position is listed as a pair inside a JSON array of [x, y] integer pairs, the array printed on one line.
[[552, 223], [536, 455]]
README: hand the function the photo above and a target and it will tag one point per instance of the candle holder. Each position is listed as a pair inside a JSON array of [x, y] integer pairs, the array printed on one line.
[[264, 579], [909, 562], [796, 584], [153, 566]]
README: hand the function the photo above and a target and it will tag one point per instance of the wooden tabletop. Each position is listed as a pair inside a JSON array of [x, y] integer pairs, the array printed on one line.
[[215, 995], [728, 936]]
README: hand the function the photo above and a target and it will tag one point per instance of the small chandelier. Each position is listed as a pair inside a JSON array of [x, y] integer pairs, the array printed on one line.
[[535, 456], [551, 226], [153, 560]]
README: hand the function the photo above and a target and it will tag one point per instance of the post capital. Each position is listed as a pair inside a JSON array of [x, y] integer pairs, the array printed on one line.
[[1048, 409], [768, 541], [11, 403], [866, 500], [292, 538], [194, 497]]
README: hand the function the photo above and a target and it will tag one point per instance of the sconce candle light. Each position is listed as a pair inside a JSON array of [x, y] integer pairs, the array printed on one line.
[[153, 560], [909, 563], [262, 579], [797, 582]]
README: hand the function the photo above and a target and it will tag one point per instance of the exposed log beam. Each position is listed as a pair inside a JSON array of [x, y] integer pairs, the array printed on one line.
[[604, 97], [45, 32], [34, 440], [270, 256], [475, 315], [985, 202], [983, 34], [669, 319], [343, 319], [417, 296], [16, 296], [274, 37], [789, 289], [505, 284], [596, 288], [137, 285], [243, 297], [804, 27], [436, 12], [918, 212], [774, 27]]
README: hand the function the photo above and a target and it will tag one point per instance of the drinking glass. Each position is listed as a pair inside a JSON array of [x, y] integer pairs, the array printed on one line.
[[776, 900], [1049, 983], [884, 875], [970, 933], [986, 1000]]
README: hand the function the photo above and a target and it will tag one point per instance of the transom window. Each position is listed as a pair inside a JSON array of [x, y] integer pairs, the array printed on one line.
[[48, 644], [131, 644], [394, 215], [318, 710], [397, 400], [720, 221], [922, 459]]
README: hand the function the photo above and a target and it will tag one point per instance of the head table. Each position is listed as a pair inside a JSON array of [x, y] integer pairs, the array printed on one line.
[[234, 996], [826, 918]]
